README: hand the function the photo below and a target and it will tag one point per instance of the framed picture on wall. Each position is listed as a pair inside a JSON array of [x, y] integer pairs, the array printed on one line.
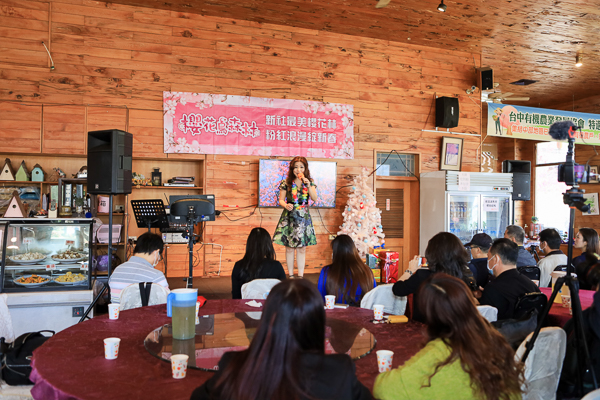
[[451, 159], [594, 174], [592, 200]]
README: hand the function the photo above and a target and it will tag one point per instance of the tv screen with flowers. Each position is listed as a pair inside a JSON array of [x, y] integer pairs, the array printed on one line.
[[272, 172]]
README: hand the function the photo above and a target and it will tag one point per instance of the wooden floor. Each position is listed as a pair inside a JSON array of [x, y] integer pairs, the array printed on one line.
[[219, 287]]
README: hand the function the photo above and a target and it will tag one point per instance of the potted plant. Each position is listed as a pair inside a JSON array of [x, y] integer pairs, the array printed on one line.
[[79, 202]]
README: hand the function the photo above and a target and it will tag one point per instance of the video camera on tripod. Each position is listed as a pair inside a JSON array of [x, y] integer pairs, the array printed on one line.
[[572, 174]]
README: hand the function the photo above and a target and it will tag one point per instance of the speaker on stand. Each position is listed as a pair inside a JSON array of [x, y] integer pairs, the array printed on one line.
[[521, 171], [109, 159]]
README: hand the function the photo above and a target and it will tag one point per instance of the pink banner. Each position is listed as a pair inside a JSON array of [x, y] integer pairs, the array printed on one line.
[[202, 123]]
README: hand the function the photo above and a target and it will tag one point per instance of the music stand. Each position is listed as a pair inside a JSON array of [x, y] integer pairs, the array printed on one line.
[[150, 214]]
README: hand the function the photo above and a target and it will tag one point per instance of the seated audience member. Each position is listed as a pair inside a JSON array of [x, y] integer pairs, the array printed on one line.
[[480, 244], [464, 358], [258, 263], [444, 253], [587, 241], [347, 278], [508, 285], [140, 267], [286, 358], [550, 246], [517, 235]]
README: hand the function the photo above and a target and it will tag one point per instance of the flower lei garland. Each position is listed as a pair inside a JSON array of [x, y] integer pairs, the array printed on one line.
[[303, 196]]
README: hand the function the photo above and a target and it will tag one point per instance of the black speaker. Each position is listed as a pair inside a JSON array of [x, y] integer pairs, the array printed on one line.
[[446, 112], [521, 171], [109, 162], [486, 78]]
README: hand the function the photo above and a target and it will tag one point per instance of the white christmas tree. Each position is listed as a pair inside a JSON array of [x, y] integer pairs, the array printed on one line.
[[362, 219]]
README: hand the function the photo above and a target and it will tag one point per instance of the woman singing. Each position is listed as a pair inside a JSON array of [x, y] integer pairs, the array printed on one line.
[[295, 230]]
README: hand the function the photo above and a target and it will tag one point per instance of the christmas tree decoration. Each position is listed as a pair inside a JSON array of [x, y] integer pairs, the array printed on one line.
[[362, 219]]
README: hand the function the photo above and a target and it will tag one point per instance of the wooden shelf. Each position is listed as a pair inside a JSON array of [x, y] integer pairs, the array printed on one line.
[[168, 187], [106, 244], [114, 213], [26, 182]]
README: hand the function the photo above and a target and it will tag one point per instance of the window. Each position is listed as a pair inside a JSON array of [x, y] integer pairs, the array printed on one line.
[[396, 164], [549, 206]]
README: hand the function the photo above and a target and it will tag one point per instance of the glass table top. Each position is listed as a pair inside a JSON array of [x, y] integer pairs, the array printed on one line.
[[219, 333]]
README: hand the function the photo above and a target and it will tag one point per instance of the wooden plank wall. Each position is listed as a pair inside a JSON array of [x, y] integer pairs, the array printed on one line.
[[110, 57]]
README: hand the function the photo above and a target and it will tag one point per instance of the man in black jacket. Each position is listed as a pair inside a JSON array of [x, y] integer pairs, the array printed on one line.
[[508, 285]]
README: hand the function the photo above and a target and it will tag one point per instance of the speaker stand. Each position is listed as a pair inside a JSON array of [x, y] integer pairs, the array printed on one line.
[[110, 254]]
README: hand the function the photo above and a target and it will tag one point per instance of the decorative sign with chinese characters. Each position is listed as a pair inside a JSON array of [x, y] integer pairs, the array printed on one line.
[[520, 122], [491, 204], [202, 123]]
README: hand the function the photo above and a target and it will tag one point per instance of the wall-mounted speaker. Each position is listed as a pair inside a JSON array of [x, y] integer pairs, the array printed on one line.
[[446, 112], [485, 78], [521, 171], [109, 162]]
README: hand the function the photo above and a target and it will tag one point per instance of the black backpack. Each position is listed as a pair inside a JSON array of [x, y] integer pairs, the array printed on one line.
[[15, 358]]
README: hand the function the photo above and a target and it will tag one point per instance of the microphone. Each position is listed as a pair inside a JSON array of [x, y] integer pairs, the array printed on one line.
[[301, 176], [562, 130]]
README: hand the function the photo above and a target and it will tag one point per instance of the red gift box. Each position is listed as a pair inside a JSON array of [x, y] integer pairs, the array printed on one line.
[[388, 261]]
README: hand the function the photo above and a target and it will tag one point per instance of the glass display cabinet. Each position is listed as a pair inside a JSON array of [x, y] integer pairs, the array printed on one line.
[[45, 255]]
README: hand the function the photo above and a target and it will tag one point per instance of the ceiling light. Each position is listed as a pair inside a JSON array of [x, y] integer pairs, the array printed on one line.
[[578, 62], [442, 7]]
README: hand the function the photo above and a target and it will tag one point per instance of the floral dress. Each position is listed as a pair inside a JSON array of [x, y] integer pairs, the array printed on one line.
[[295, 228]]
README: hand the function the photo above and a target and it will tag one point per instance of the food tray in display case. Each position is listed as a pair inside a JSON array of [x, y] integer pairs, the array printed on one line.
[[45, 254]]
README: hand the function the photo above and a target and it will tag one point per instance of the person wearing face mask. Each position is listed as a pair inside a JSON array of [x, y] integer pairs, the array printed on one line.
[[140, 267], [508, 285], [550, 246]]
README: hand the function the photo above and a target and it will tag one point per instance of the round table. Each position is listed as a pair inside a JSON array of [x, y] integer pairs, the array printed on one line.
[[559, 315], [71, 365]]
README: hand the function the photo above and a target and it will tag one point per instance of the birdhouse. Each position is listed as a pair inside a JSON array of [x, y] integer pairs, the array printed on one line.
[[22, 173], [37, 173], [15, 208], [7, 173]]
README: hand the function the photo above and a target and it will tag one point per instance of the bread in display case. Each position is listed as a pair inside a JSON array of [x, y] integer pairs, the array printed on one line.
[[45, 254]]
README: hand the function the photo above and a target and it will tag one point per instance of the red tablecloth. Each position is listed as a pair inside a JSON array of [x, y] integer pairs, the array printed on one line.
[[559, 315], [71, 365]]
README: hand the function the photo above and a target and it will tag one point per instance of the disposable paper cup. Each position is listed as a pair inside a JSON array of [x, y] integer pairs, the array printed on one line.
[[566, 301], [179, 365], [384, 360], [113, 311], [111, 348], [378, 311], [329, 302]]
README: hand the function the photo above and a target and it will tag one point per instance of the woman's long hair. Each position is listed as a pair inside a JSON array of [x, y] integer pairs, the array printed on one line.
[[290, 177], [259, 247], [446, 253], [293, 322], [347, 272], [591, 237], [450, 314]]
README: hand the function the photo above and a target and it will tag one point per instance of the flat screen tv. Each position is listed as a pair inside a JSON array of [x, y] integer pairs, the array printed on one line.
[[272, 172]]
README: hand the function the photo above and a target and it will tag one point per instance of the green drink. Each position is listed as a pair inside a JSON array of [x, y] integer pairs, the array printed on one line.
[[184, 322]]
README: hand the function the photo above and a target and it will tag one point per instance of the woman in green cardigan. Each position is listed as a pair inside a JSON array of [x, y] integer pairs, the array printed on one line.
[[464, 358]]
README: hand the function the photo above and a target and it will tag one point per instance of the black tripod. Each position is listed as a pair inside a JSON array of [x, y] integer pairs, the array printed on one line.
[[574, 199]]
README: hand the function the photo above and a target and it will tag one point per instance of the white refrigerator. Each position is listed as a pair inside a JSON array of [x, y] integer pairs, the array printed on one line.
[[464, 203]]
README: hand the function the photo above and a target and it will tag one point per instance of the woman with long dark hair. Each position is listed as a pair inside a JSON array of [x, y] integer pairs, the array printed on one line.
[[347, 277], [587, 241], [258, 263], [444, 253], [286, 358], [295, 229], [464, 358]]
